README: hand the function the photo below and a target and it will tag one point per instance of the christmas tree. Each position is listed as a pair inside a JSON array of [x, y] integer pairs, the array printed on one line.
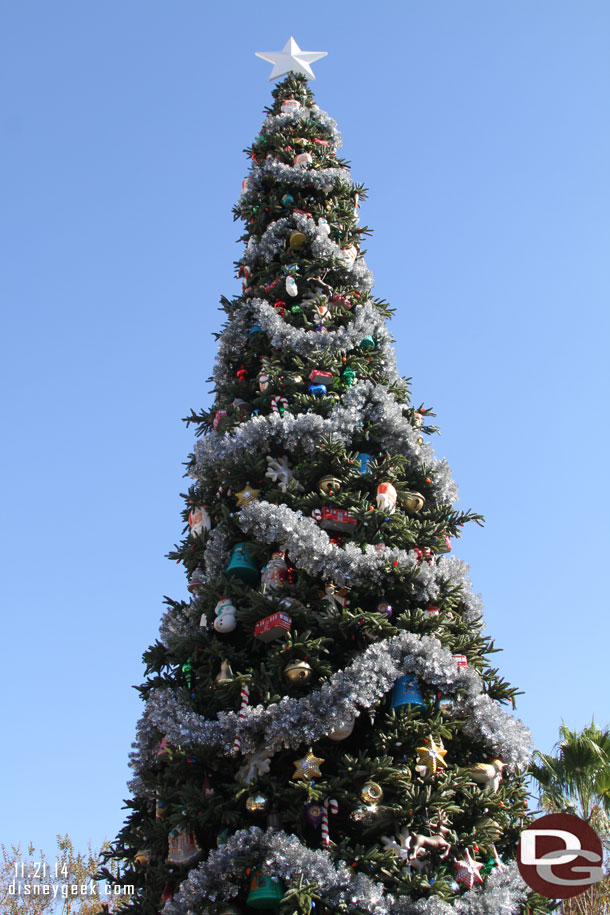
[[322, 730]]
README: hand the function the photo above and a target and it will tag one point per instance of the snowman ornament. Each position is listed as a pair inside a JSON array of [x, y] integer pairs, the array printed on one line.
[[225, 615]]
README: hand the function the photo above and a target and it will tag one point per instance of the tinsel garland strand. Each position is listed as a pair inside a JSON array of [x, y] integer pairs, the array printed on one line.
[[300, 116], [365, 401], [291, 722], [276, 853]]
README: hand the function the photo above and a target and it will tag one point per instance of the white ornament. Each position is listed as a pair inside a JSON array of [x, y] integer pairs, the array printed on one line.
[[199, 521], [225, 615], [280, 471], [291, 59], [302, 160], [256, 764], [323, 226], [341, 733], [349, 255], [290, 104], [291, 286], [386, 498]]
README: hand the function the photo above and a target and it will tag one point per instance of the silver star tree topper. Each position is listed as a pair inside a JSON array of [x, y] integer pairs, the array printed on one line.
[[291, 60]]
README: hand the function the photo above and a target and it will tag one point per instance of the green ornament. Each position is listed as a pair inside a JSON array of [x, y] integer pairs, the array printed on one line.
[[187, 671], [367, 343], [488, 867], [255, 209], [295, 310], [349, 376]]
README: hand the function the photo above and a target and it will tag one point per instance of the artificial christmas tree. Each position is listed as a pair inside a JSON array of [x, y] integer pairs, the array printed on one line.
[[322, 730]]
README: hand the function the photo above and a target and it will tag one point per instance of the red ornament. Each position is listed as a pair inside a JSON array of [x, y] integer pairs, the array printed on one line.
[[272, 627], [242, 373]]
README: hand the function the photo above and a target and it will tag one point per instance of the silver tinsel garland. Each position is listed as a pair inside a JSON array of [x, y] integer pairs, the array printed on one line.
[[300, 116], [276, 853], [364, 400], [292, 722], [366, 320]]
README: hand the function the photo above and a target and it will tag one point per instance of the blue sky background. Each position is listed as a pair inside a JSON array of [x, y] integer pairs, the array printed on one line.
[[482, 131]]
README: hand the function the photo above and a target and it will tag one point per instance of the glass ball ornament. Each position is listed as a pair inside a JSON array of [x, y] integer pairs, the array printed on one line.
[[257, 803], [371, 793], [298, 672], [384, 607], [342, 733], [364, 815], [297, 240]]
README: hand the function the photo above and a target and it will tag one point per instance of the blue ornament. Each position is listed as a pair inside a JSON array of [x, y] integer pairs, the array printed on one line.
[[366, 462], [256, 329], [318, 390], [242, 564], [287, 200], [406, 692]]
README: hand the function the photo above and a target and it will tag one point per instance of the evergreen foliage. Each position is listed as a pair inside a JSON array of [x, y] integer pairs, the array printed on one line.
[[283, 451]]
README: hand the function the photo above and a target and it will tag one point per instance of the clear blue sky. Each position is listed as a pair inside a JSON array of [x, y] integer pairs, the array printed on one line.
[[482, 131]]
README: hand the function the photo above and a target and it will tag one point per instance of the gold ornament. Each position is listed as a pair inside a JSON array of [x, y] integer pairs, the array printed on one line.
[[297, 672], [297, 240], [142, 857], [308, 767], [329, 484], [487, 774], [225, 675], [412, 502], [257, 803], [247, 494], [371, 793], [432, 757]]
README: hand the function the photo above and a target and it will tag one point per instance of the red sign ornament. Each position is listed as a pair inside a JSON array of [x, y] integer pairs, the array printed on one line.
[[560, 856]]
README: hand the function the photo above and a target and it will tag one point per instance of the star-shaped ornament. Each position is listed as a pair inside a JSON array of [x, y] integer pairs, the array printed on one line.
[[291, 60], [468, 871], [308, 767], [247, 494], [432, 757]]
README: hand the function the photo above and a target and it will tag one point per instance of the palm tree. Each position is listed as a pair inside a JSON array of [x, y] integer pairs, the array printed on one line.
[[577, 781]]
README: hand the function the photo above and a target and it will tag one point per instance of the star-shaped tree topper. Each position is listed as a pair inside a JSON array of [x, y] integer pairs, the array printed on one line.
[[291, 60], [308, 767], [432, 756], [468, 871]]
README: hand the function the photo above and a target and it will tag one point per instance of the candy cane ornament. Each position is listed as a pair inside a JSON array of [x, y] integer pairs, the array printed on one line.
[[329, 803], [279, 404], [245, 693]]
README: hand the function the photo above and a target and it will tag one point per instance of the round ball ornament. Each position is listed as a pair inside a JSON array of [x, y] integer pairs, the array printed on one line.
[[298, 672], [363, 815], [342, 733], [314, 814], [329, 484], [384, 608], [257, 803], [287, 201], [297, 240], [371, 793]]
